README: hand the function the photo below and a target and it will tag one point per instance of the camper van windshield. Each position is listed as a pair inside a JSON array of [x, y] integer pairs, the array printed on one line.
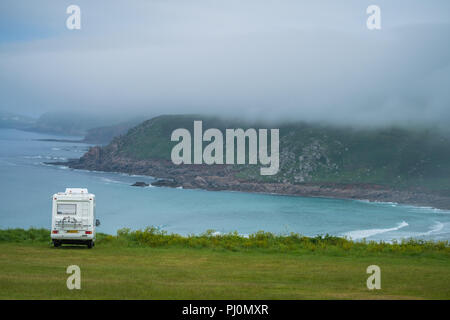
[[67, 209]]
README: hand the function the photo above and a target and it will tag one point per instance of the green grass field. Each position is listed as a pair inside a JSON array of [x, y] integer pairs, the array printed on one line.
[[118, 268]]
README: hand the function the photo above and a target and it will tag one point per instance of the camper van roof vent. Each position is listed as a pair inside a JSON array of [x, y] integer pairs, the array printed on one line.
[[77, 190]]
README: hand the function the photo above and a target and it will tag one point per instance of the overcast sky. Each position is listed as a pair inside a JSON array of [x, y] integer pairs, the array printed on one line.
[[309, 60]]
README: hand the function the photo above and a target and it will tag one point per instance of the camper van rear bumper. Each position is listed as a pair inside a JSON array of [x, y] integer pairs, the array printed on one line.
[[73, 241], [74, 236]]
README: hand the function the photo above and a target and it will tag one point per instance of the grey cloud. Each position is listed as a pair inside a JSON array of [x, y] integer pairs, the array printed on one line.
[[258, 59]]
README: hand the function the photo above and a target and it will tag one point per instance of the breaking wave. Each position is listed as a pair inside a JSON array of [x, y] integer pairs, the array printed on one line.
[[361, 234], [436, 228]]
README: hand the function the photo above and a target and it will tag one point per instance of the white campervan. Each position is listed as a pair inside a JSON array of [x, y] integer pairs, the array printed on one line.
[[73, 217]]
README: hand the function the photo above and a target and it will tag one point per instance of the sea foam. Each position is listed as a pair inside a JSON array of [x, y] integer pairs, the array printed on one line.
[[361, 234]]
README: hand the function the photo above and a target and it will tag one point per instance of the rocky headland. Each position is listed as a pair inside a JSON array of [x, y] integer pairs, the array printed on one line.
[[386, 165]]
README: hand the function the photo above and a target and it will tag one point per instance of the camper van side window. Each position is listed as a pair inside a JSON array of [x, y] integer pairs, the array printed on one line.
[[66, 209]]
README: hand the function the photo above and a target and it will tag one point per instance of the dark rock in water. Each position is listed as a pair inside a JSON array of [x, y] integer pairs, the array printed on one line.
[[140, 184], [166, 183]]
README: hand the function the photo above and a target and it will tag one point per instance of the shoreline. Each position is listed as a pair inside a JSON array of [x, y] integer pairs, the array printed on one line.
[[195, 180], [58, 140], [419, 204]]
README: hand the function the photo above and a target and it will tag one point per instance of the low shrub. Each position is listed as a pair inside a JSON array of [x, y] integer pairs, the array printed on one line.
[[156, 238], [22, 235]]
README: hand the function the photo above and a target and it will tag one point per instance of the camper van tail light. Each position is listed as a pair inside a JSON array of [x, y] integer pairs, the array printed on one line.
[[88, 232], [55, 231]]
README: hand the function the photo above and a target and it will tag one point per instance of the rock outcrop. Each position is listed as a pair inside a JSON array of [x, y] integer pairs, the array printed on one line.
[[166, 183], [140, 184]]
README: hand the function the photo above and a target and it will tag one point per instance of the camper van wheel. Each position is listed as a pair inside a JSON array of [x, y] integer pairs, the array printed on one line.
[[56, 244], [90, 244]]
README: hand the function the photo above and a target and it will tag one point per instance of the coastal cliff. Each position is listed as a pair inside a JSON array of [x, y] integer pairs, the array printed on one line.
[[393, 164]]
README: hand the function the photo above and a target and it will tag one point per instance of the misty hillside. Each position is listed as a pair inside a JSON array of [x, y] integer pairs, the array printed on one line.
[[394, 157], [80, 124], [15, 121], [104, 135]]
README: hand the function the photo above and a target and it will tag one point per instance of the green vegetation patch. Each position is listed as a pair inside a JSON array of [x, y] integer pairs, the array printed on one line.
[[260, 241], [150, 264]]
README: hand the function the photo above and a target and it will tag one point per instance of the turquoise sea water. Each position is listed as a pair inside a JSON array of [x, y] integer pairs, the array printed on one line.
[[27, 185]]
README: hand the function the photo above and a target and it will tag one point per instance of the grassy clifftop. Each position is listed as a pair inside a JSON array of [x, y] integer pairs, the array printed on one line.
[[263, 266], [395, 157]]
